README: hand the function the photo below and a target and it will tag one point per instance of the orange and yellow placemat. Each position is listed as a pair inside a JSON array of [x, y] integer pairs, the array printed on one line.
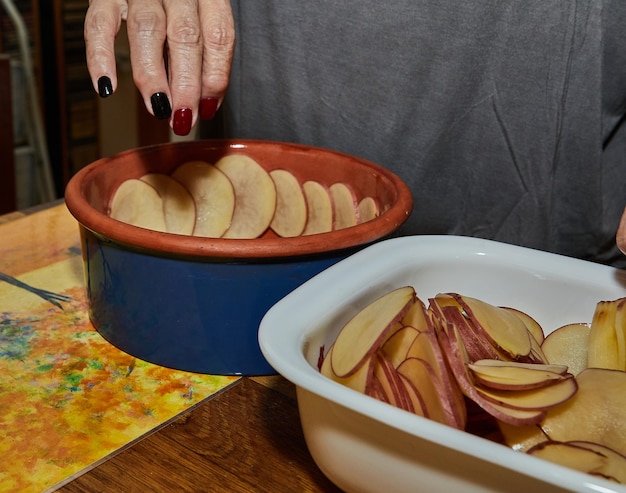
[[68, 398]]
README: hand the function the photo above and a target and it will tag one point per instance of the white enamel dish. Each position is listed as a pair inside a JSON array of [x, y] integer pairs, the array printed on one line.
[[364, 445]]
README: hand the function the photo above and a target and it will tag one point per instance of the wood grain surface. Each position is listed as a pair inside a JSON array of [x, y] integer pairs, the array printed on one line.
[[247, 438]]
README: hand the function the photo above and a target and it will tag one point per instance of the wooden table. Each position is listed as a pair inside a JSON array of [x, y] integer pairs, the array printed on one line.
[[246, 438]]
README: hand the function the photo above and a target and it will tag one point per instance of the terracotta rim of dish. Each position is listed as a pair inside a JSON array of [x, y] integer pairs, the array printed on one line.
[[168, 243]]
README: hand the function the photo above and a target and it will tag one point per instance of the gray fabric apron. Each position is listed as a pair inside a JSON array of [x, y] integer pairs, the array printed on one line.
[[504, 117]]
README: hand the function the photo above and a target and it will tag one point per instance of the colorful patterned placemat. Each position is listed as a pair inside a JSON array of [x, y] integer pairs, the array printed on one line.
[[68, 398]]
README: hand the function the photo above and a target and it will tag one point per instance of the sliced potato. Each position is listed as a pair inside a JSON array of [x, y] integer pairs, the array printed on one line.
[[620, 333], [554, 392], [357, 381], [458, 360], [397, 346], [418, 317], [521, 438], [345, 205], [255, 196], [425, 380], [416, 401], [555, 368], [596, 413], [368, 209], [391, 383], [500, 327], [447, 312], [426, 347], [587, 457], [290, 216], [179, 208], [567, 345], [514, 376], [540, 406], [602, 350], [368, 329], [213, 194], [138, 203], [615, 466], [531, 324], [319, 208]]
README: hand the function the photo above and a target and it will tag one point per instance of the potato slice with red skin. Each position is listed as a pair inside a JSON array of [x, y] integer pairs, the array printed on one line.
[[398, 344], [391, 383], [179, 208], [620, 333], [368, 209], [369, 329], [477, 347], [290, 215], [418, 317], [446, 310], [345, 206], [567, 345], [426, 347], [602, 348], [357, 381], [511, 376], [532, 325], [424, 378], [596, 413], [550, 395], [414, 396], [615, 468], [319, 208], [255, 196], [587, 457], [137, 203], [536, 331], [555, 368], [454, 351], [375, 389], [504, 330], [213, 194], [488, 331]]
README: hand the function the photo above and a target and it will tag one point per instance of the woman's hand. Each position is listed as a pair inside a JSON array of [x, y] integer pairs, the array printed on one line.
[[621, 233], [180, 50]]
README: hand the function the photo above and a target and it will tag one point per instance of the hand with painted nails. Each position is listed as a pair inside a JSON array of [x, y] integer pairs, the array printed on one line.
[[180, 51]]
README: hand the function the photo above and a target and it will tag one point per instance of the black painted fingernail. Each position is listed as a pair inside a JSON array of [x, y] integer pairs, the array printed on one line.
[[105, 88], [161, 105]]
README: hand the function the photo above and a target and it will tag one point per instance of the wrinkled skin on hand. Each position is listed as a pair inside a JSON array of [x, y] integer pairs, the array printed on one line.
[[621, 233], [180, 50]]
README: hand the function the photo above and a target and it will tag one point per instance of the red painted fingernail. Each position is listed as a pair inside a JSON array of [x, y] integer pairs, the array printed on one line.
[[208, 107], [182, 121]]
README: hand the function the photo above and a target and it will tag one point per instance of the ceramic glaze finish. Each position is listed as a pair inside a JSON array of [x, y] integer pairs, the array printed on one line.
[[365, 445], [89, 192], [189, 314], [195, 303]]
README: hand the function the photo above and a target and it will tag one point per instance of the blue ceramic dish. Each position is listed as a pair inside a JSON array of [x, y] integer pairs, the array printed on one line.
[[194, 303]]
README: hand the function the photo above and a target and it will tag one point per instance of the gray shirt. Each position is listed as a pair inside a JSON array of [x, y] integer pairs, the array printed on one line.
[[503, 116]]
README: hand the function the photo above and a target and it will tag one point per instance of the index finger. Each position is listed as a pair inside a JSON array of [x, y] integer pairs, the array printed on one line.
[[102, 23]]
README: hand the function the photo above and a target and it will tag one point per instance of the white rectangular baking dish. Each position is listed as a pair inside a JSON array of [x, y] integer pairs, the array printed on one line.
[[364, 445]]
